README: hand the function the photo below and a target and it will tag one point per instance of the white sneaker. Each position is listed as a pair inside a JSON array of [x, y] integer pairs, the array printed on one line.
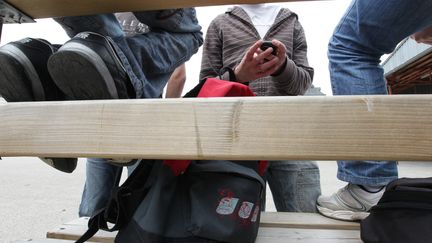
[[350, 203]]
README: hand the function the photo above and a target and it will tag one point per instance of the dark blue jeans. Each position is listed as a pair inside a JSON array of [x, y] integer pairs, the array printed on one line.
[[368, 30]]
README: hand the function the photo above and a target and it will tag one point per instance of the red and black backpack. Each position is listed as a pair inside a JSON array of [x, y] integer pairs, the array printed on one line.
[[187, 200]]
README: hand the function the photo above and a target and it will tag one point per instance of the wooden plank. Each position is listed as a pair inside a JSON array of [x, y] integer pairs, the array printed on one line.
[[285, 235], [74, 229], [269, 235], [247, 128], [56, 8], [43, 241], [304, 221]]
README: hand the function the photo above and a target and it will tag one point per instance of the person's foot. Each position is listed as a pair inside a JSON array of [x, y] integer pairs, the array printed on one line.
[[24, 77], [122, 162], [350, 203], [66, 165], [87, 67], [23, 72]]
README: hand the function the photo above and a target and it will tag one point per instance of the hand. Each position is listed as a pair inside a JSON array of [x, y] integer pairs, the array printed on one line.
[[256, 63], [281, 55]]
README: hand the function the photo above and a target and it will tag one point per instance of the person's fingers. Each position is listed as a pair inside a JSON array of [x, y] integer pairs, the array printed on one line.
[[250, 53], [281, 48], [269, 64], [269, 71], [264, 56], [270, 57], [265, 69]]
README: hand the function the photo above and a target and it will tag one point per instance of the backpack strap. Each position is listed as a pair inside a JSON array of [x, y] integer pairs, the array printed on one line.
[[123, 202]]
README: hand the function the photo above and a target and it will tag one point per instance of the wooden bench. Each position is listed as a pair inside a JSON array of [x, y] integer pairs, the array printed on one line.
[[275, 128], [275, 227], [246, 128]]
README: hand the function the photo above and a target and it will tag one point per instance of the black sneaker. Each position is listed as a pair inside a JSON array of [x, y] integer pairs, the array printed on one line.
[[87, 67], [23, 72], [66, 165], [24, 77]]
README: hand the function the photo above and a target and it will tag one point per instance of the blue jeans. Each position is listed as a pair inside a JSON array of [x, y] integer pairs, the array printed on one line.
[[368, 30], [149, 60], [295, 185], [100, 179]]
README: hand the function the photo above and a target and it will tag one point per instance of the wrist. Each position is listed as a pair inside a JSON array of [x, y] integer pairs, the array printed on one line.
[[281, 68], [238, 75]]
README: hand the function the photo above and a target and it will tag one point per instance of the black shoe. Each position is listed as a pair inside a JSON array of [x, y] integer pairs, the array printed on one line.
[[87, 67], [23, 72], [66, 165], [24, 77]]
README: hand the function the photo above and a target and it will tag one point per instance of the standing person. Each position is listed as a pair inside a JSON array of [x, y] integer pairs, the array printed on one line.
[[100, 62], [232, 52], [368, 30]]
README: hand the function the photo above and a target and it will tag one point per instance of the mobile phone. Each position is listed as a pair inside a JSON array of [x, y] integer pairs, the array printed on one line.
[[267, 44]]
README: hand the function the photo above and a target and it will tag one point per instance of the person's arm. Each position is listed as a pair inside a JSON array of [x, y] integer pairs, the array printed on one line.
[[176, 82], [211, 61], [296, 77], [424, 36]]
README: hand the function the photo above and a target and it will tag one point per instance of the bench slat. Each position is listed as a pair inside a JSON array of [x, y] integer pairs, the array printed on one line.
[[284, 235], [247, 128], [278, 231], [272, 235], [55, 8], [43, 241], [304, 221]]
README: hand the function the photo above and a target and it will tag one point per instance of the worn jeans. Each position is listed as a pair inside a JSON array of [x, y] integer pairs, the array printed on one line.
[[368, 30], [100, 179], [149, 60], [295, 185]]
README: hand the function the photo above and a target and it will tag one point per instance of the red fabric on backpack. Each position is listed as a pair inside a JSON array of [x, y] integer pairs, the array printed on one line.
[[177, 166], [214, 87]]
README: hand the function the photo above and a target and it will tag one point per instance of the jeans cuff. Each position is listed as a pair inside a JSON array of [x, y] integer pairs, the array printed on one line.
[[369, 181]]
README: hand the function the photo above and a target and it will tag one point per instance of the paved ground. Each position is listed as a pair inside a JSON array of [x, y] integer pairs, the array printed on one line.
[[35, 198]]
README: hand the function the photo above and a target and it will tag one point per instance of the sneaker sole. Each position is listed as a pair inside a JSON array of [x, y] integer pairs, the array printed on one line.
[[66, 165], [19, 79], [344, 215], [81, 73]]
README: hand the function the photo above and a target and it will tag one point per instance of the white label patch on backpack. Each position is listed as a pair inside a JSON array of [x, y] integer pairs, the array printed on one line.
[[227, 205], [245, 210], [255, 214]]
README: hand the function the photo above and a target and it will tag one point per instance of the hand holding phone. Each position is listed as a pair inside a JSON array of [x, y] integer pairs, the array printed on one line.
[[267, 44]]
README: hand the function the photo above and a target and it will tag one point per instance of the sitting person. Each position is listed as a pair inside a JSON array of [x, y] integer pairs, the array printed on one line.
[[99, 62]]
